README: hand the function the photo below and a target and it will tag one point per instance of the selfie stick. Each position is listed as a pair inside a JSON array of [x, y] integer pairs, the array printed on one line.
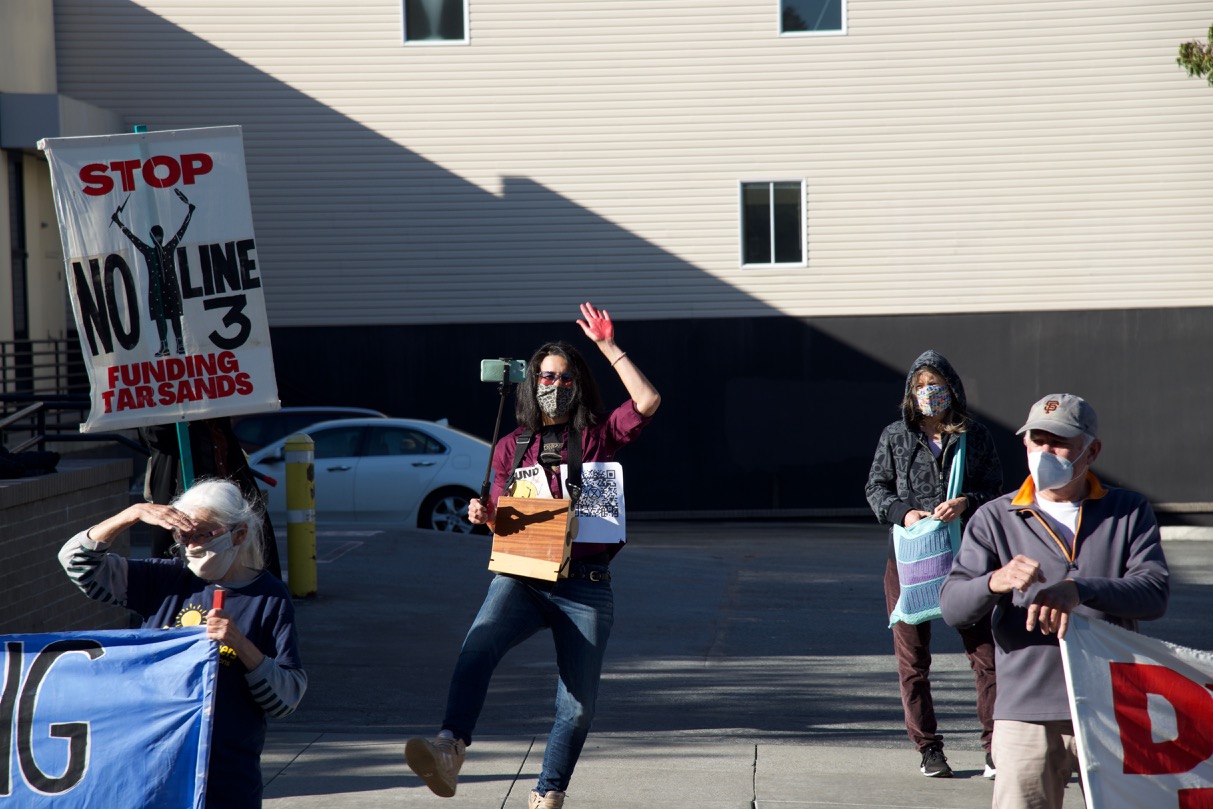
[[502, 387]]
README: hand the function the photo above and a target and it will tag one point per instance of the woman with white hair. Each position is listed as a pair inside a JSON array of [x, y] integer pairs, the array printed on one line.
[[217, 536]]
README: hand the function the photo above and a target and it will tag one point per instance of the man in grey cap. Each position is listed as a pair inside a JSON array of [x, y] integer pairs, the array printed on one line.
[[1063, 543]]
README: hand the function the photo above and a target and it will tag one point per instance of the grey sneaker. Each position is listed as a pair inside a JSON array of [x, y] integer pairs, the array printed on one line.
[[934, 763], [553, 800], [990, 771], [437, 763]]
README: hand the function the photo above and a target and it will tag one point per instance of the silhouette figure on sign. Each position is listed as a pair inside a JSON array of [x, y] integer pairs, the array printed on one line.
[[163, 291]]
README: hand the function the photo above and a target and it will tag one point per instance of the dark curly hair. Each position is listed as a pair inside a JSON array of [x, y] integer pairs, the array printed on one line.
[[587, 401]]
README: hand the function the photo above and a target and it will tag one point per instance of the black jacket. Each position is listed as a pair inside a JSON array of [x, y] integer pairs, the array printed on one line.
[[905, 475]]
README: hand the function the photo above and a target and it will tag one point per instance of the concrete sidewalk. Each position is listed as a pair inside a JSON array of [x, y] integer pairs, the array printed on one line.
[[346, 770], [749, 666]]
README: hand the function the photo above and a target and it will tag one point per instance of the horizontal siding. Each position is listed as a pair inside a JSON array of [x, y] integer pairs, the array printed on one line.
[[958, 157]]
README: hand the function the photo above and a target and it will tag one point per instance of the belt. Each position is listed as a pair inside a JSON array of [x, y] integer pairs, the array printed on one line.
[[590, 573]]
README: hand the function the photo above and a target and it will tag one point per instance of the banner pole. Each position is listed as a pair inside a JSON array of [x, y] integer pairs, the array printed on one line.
[[183, 427]]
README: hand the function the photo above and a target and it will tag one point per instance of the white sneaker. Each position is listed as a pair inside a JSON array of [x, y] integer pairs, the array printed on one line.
[[553, 800], [990, 771], [437, 763]]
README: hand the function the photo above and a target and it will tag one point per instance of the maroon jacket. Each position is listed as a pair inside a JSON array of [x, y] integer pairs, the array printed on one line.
[[600, 443]]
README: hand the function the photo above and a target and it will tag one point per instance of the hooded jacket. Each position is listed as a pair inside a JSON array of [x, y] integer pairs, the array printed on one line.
[[905, 475]]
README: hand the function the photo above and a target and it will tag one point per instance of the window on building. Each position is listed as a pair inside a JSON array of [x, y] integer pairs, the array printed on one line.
[[772, 223], [812, 16], [435, 21]]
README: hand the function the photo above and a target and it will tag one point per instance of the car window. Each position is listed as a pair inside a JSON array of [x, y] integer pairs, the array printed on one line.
[[260, 429], [253, 430], [337, 442], [401, 441]]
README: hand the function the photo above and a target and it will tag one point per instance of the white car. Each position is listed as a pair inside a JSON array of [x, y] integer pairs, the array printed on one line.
[[384, 471]]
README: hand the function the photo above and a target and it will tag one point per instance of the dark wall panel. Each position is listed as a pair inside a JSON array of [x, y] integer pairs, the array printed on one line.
[[780, 413]]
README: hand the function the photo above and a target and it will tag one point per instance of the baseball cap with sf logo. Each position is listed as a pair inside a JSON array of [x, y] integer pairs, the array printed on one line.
[[1062, 414]]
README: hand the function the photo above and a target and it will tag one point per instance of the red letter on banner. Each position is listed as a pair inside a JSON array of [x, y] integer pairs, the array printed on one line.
[[1196, 799], [1131, 684], [192, 165]]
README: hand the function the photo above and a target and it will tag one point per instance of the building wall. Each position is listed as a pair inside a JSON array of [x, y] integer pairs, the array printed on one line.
[[27, 47], [1020, 185], [765, 415], [1004, 156], [27, 65], [39, 515], [6, 259], [48, 310]]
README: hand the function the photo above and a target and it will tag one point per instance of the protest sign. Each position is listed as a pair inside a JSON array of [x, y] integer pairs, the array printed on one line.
[[106, 718], [164, 275], [601, 516], [1143, 716]]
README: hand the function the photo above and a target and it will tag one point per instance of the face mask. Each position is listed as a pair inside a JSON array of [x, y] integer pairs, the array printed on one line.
[[554, 400], [210, 562], [933, 400], [1050, 471]]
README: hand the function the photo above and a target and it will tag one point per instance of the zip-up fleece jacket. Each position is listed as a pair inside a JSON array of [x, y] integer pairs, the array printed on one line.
[[1116, 560], [905, 475]]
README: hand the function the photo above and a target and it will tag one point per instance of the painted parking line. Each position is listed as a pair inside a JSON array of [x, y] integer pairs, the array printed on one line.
[[339, 551]]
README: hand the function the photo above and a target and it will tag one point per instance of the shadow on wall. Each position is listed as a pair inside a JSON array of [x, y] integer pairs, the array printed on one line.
[[341, 211], [781, 413]]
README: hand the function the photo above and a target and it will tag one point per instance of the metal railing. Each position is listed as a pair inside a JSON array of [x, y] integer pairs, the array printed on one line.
[[44, 395], [51, 367], [39, 419]]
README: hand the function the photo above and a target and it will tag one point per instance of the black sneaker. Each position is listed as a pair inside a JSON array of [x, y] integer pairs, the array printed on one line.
[[934, 763], [990, 770]]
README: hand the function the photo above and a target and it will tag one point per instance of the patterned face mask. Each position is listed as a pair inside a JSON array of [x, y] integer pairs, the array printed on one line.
[[554, 400], [933, 400]]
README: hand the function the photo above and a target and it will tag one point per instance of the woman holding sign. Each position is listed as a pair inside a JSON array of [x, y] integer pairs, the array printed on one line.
[[219, 580], [906, 484], [558, 408]]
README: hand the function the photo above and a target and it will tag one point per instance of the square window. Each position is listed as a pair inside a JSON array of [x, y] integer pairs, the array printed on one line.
[[772, 223], [812, 16], [435, 21]]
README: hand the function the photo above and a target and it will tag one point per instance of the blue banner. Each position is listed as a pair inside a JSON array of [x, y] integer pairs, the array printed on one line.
[[107, 718]]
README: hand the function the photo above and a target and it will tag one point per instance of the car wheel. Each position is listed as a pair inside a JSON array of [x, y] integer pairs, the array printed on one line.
[[447, 510]]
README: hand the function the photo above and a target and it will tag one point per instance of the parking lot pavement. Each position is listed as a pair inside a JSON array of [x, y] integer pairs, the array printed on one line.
[[749, 665]]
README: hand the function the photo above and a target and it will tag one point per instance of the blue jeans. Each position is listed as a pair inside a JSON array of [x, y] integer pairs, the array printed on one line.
[[580, 613]]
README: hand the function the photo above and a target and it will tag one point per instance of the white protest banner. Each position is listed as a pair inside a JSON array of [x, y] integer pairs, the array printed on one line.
[[107, 718], [601, 516], [1143, 715], [164, 277]]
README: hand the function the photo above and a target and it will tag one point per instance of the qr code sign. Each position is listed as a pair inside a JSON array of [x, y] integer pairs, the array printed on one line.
[[599, 494]]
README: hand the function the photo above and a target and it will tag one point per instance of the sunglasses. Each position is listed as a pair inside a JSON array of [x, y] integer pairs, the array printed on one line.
[[551, 377], [195, 538]]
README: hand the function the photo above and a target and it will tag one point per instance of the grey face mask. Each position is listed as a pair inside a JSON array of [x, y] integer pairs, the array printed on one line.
[[554, 400]]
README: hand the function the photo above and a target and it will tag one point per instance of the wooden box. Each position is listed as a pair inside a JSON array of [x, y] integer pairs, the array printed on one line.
[[531, 538]]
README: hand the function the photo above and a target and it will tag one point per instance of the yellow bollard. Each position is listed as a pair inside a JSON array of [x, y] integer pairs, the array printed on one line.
[[300, 515]]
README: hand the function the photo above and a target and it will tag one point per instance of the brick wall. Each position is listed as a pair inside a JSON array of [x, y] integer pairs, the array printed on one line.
[[37, 515]]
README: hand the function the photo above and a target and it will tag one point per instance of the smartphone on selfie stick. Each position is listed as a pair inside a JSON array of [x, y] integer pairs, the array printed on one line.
[[504, 372]]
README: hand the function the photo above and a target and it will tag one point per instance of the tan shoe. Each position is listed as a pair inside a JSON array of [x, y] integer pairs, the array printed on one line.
[[553, 800], [437, 763]]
